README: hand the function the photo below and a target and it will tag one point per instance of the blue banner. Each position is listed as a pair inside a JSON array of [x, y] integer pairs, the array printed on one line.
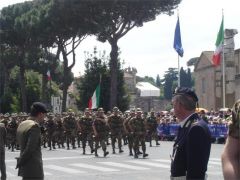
[[217, 130]]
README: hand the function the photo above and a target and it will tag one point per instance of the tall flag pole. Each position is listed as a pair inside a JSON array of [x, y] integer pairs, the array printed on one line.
[[177, 45], [216, 59]]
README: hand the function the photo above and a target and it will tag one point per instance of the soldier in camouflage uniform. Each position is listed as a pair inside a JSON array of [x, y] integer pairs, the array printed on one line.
[[70, 127], [127, 130], [86, 130], [151, 126], [137, 126], [100, 131], [59, 132], [231, 152], [115, 123], [12, 130], [51, 131]]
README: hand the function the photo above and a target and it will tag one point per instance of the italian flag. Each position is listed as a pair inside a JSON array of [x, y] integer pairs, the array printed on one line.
[[93, 102], [49, 78], [219, 46]]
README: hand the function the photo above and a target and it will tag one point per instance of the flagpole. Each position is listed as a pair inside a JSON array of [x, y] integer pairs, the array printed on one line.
[[223, 68], [178, 72]]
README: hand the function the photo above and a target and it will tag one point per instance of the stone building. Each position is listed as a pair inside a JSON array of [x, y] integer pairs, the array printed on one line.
[[209, 79], [147, 101]]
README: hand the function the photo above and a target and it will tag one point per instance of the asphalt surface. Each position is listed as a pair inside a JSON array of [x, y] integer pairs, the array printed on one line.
[[62, 164]]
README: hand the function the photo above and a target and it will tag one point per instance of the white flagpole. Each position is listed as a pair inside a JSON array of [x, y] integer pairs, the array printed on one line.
[[224, 81], [223, 68], [178, 72]]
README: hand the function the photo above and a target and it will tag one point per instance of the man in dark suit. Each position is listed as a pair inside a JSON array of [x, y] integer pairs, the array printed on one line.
[[29, 139], [3, 133], [192, 145]]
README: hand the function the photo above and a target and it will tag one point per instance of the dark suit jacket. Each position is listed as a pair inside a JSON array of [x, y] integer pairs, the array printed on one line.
[[192, 149], [2, 137], [30, 160]]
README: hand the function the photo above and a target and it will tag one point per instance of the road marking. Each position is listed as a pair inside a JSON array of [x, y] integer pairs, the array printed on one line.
[[63, 169], [87, 166], [162, 160], [121, 165], [215, 159], [10, 174], [214, 163], [150, 164]]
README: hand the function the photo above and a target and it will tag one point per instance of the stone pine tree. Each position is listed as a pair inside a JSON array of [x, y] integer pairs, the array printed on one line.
[[118, 18], [185, 78]]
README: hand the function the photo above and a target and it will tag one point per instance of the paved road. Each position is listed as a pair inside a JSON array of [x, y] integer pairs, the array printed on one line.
[[62, 164]]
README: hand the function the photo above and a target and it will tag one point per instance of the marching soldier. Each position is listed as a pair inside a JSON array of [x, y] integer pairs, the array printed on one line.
[[137, 126], [151, 124], [51, 128], [59, 132], [115, 123], [70, 126], [100, 131], [12, 130], [127, 130], [86, 130]]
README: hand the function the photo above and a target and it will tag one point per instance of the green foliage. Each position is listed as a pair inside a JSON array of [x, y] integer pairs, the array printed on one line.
[[170, 82], [186, 78], [158, 81], [96, 67]]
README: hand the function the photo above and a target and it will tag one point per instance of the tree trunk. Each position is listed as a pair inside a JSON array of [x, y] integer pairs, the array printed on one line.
[[23, 83], [113, 73], [65, 79], [44, 88]]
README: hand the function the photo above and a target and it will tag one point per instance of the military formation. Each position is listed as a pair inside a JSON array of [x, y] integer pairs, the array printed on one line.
[[94, 129]]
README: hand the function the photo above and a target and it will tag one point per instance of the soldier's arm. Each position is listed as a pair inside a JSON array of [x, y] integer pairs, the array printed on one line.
[[94, 129], [231, 159], [124, 126]]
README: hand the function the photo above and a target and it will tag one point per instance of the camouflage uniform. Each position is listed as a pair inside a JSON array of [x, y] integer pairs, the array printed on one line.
[[70, 126], [127, 129], [138, 130], [12, 130], [151, 124], [85, 125], [59, 132], [100, 131], [115, 123], [234, 126], [51, 132]]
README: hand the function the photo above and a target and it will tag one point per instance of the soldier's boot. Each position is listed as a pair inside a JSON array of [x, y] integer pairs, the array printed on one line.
[[84, 151], [130, 153], [150, 143], [113, 151], [68, 146], [96, 154], [139, 152], [157, 143], [120, 150], [105, 153], [135, 153], [145, 154]]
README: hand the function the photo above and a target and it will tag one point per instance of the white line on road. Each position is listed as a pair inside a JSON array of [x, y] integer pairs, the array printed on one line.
[[150, 164], [163, 160], [63, 169], [215, 159], [87, 166], [121, 165], [215, 163]]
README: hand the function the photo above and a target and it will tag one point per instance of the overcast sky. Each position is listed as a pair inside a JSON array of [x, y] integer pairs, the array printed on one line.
[[150, 48]]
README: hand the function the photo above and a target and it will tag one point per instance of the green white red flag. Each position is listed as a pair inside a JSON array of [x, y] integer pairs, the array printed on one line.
[[216, 59], [93, 102]]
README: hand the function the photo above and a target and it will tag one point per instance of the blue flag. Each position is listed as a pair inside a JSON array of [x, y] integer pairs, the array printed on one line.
[[177, 40]]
